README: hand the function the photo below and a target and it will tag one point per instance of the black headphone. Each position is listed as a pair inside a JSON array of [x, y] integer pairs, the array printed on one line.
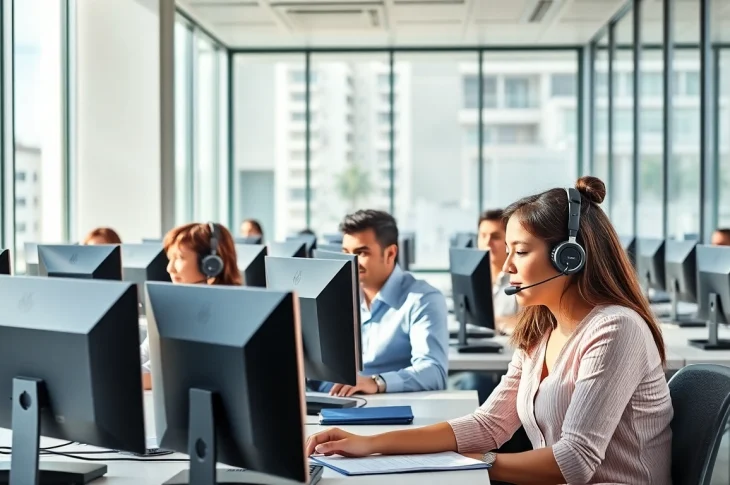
[[569, 257], [211, 265]]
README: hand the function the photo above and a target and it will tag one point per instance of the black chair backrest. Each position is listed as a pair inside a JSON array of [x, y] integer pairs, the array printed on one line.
[[701, 401]]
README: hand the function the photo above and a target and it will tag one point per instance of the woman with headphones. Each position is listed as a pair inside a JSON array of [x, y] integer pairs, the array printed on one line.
[[587, 379], [197, 254]]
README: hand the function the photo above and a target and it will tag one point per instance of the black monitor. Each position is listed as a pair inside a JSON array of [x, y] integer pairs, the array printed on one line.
[[227, 380], [288, 249], [471, 282], [248, 240], [713, 293], [329, 320], [629, 245], [680, 276], [464, 240], [141, 263], [5, 261], [69, 369], [98, 262], [352, 258], [333, 238], [405, 248], [310, 240], [410, 235], [650, 268], [252, 264], [332, 248]]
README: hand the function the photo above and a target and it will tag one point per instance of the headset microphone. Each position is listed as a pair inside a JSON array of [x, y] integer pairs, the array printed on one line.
[[513, 290]]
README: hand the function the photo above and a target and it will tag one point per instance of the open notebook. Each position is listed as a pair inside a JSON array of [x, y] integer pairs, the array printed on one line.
[[382, 464]]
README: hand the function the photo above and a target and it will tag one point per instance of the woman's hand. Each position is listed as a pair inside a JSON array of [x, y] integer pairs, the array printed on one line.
[[337, 442]]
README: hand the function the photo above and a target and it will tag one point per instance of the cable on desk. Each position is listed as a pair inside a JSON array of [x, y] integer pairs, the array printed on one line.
[[361, 399], [54, 447], [84, 458]]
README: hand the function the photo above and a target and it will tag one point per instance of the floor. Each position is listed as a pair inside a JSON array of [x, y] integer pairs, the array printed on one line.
[[721, 474]]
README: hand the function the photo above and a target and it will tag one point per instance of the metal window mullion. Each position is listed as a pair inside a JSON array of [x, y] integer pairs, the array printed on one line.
[[231, 171], [636, 166], [609, 156], [8, 117], [480, 133], [191, 84], [668, 110], [307, 144], [707, 168], [391, 80]]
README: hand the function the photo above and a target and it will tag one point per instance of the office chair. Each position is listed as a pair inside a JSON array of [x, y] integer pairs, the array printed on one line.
[[701, 400]]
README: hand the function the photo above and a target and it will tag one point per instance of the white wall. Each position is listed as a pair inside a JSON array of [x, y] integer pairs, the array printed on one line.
[[118, 117]]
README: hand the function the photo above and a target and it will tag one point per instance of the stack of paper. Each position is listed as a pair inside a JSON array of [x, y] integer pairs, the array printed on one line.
[[385, 464]]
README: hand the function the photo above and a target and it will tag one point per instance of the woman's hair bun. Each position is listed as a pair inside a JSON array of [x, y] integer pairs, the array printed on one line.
[[592, 188]]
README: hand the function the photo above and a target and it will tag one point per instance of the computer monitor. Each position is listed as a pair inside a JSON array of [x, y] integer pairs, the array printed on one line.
[[227, 380], [69, 369], [464, 240], [629, 245], [471, 282], [680, 276], [329, 320], [352, 258], [248, 240], [141, 263], [713, 293], [309, 240], [333, 238], [332, 248], [650, 268], [411, 235], [288, 249], [252, 264], [5, 261], [98, 262], [405, 247]]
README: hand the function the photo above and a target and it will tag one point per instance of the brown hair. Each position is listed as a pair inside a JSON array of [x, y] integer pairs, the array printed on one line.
[[255, 224], [492, 215], [108, 234], [196, 237], [607, 278]]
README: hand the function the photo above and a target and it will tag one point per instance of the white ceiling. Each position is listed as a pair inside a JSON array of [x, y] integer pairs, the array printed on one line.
[[382, 23]]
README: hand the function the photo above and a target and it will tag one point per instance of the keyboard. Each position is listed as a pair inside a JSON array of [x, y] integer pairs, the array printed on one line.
[[315, 473]]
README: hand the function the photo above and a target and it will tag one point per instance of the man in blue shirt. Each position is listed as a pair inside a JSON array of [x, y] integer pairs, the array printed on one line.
[[405, 339]]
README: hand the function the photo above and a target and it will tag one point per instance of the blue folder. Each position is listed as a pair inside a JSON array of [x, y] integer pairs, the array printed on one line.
[[367, 415]]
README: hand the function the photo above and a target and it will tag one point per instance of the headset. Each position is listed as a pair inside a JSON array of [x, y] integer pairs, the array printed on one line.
[[211, 265], [569, 257]]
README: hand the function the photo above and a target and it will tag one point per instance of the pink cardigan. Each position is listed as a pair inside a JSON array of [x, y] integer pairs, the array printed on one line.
[[604, 409]]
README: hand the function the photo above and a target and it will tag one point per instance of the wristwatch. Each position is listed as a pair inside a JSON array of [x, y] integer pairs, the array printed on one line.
[[380, 382], [489, 458]]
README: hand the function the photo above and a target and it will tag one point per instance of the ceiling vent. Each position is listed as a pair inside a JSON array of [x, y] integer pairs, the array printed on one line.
[[331, 17]]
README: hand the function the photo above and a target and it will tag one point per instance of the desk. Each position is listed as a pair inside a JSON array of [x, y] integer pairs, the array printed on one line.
[[428, 407]]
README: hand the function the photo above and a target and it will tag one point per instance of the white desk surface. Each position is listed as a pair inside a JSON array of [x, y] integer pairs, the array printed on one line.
[[428, 408]]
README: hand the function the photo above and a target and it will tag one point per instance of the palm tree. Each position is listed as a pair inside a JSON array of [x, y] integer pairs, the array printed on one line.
[[353, 184]]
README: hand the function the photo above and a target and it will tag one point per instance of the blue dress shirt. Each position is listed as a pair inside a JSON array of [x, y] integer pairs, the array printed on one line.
[[405, 337]]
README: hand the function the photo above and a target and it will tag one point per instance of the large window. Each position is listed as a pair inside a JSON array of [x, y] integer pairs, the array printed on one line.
[[684, 164], [621, 184], [436, 169], [183, 116], [350, 148], [39, 101], [651, 124], [721, 36], [269, 125]]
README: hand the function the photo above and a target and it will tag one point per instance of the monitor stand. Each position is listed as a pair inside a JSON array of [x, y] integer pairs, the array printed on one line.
[[202, 448], [318, 402], [713, 342], [29, 397], [463, 347], [682, 321]]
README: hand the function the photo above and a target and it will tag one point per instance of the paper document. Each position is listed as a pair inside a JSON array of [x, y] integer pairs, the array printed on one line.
[[381, 464]]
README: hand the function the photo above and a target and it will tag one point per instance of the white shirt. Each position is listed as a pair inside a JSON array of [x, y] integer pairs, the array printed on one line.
[[504, 305]]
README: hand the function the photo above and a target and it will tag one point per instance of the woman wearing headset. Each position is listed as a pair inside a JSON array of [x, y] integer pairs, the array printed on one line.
[[197, 254], [587, 379]]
